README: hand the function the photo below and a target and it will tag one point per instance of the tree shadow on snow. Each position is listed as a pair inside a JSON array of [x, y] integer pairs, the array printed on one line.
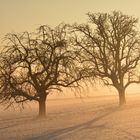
[[54, 134]]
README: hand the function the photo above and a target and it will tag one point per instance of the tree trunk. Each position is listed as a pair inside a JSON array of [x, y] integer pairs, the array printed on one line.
[[122, 99], [42, 106]]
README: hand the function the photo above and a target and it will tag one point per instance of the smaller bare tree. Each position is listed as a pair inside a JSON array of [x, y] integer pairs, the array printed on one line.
[[34, 65], [110, 46]]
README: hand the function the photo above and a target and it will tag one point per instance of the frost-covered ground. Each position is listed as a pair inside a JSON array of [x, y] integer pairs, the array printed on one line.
[[96, 118]]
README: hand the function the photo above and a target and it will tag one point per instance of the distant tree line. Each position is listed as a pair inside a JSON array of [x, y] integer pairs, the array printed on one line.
[[33, 65]]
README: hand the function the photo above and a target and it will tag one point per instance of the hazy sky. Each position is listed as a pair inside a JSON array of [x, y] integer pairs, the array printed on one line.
[[21, 15], [27, 15]]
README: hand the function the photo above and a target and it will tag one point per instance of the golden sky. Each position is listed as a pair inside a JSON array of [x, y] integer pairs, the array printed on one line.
[[21, 15], [27, 15]]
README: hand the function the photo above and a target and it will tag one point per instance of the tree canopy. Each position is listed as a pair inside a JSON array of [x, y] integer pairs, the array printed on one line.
[[110, 44], [36, 64]]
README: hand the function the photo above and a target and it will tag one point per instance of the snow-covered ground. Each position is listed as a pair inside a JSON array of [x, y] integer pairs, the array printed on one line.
[[95, 118]]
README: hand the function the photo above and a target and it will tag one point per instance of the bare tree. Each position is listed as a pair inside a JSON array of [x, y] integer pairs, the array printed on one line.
[[110, 46], [34, 65]]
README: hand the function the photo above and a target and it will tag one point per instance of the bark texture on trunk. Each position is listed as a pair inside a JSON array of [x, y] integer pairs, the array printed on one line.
[[122, 99], [42, 106]]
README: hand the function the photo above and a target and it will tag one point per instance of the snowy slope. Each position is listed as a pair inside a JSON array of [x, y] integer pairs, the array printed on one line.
[[97, 118]]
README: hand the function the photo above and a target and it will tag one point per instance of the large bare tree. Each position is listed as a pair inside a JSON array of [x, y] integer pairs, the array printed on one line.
[[110, 46], [36, 64]]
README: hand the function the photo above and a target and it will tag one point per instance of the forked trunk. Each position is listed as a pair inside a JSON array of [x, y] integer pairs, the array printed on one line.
[[42, 106], [122, 99]]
